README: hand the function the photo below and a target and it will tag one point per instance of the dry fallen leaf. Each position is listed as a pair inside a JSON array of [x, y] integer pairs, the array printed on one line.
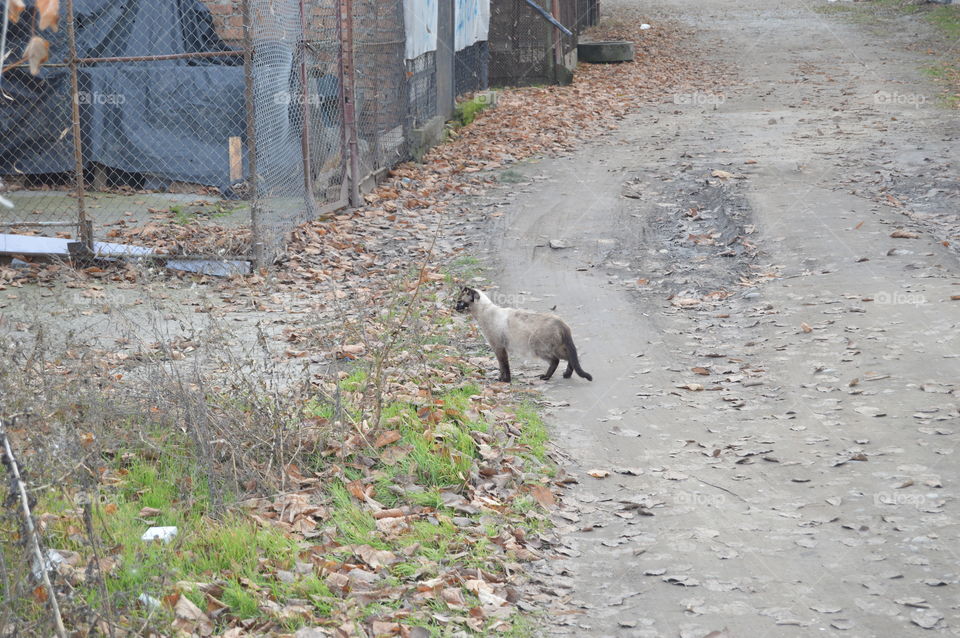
[[16, 8], [37, 52], [49, 13], [386, 438], [806, 327], [375, 558], [190, 618], [543, 495], [599, 473], [904, 234], [350, 351]]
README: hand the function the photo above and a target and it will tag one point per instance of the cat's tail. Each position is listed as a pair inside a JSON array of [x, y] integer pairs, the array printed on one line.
[[572, 355]]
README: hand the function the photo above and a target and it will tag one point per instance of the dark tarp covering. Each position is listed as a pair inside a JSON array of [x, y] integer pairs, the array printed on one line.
[[171, 119]]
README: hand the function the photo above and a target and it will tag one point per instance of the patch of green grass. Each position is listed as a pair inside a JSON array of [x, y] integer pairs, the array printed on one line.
[[534, 433], [242, 603], [466, 111], [511, 176], [462, 269], [356, 381], [180, 215], [355, 525], [947, 19]]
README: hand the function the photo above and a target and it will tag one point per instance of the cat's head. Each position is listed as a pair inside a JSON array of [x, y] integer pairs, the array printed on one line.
[[466, 299]]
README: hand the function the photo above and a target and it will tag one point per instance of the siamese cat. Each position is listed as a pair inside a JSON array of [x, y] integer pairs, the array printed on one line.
[[522, 333]]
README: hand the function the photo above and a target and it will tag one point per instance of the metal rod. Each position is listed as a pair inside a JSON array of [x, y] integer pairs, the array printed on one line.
[[557, 51], [36, 224], [305, 107], [84, 229], [549, 18], [3, 37], [146, 58], [253, 180], [161, 57], [348, 95]]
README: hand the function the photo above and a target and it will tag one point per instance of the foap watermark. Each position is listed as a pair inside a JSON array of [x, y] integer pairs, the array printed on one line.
[[899, 298], [286, 98], [697, 499], [91, 98], [916, 100], [904, 499], [516, 300], [699, 99]]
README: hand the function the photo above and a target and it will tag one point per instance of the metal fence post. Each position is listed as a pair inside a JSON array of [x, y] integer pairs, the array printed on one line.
[[305, 107], [84, 226], [348, 95], [256, 232]]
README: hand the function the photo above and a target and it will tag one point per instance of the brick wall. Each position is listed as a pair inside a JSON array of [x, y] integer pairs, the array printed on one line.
[[227, 19]]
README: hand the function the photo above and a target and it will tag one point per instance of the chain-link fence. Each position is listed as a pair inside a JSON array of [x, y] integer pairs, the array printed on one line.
[[195, 129], [534, 41]]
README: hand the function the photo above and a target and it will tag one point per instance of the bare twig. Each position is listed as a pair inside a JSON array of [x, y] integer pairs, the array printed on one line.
[[384, 353], [31, 532], [95, 546], [719, 487]]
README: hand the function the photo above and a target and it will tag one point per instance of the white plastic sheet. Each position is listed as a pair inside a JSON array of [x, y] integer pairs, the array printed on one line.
[[472, 22], [420, 25]]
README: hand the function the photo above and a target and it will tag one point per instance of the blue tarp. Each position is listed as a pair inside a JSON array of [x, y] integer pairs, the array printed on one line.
[[171, 119]]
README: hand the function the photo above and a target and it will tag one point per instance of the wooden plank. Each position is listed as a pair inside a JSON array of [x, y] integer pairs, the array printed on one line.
[[236, 160]]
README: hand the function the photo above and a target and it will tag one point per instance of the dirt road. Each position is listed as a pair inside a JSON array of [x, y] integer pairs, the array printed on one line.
[[776, 376]]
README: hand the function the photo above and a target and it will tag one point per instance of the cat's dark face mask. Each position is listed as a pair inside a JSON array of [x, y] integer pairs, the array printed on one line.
[[465, 299]]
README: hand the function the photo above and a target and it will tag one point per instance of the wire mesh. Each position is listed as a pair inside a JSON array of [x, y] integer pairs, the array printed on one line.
[[422, 87], [208, 127], [327, 157], [382, 99], [35, 114], [521, 40], [471, 68]]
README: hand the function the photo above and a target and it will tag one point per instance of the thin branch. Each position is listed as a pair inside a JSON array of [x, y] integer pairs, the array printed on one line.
[[395, 334], [32, 533]]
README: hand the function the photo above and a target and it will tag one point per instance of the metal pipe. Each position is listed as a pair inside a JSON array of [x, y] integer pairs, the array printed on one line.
[[557, 50], [253, 180], [348, 96], [549, 18], [84, 228], [36, 224], [3, 37], [145, 58], [305, 114]]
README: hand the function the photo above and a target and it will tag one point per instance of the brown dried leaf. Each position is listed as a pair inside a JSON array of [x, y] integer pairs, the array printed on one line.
[[190, 618], [904, 234], [599, 474], [16, 8], [542, 494], [49, 13], [37, 52], [806, 327], [375, 558], [386, 438], [453, 596]]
